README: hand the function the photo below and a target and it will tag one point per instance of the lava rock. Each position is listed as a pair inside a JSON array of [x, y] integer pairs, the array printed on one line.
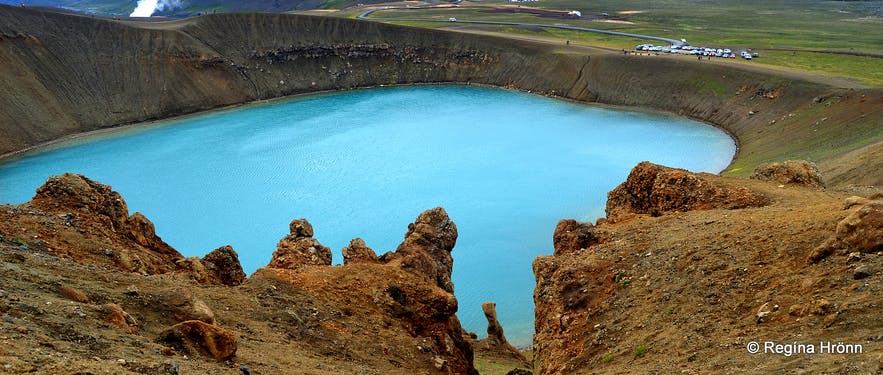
[[299, 249], [183, 306], [791, 172], [300, 228], [79, 192], [862, 272], [222, 266], [172, 367], [428, 245], [358, 252], [861, 231], [654, 189], [571, 236], [196, 337]]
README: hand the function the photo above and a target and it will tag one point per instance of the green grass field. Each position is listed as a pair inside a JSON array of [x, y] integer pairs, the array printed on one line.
[[853, 26]]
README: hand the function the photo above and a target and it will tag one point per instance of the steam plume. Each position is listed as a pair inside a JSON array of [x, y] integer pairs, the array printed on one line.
[[146, 8]]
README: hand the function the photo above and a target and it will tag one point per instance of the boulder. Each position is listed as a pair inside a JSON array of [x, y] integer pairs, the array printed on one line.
[[299, 249], [182, 305], [571, 235], [654, 189], [222, 267], [861, 231], [197, 337], [791, 172], [358, 252]]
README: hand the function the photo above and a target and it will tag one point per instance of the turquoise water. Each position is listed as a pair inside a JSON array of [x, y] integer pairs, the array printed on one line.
[[505, 165]]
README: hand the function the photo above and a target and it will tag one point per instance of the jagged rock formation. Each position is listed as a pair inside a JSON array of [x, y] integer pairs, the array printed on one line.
[[427, 247], [223, 267], [299, 248], [654, 190], [395, 314], [411, 286], [358, 251], [791, 172]]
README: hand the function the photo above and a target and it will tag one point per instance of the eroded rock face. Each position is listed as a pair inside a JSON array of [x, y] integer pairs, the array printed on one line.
[[654, 190], [565, 295], [197, 337], [861, 231], [299, 248], [427, 247], [571, 235], [222, 266], [358, 252], [791, 172]]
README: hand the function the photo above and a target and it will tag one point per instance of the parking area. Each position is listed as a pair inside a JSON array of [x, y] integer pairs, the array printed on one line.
[[699, 52]]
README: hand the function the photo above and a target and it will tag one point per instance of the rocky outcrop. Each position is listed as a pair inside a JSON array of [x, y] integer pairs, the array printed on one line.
[[358, 252], [571, 235], [861, 231], [223, 267], [426, 250], [654, 190], [409, 288], [791, 172], [196, 337], [300, 249], [79, 193], [84, 205]]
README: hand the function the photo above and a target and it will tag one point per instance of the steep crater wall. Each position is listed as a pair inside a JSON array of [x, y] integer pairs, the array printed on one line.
[[66, 74]]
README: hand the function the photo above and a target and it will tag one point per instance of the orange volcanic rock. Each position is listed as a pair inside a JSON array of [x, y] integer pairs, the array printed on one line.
[[654, 189], [222, 266], [197, 337], [358, 251], [861, 231], [795, 172], [299, 248]]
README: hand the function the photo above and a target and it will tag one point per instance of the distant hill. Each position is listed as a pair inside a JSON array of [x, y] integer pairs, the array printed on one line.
[[184, 8]]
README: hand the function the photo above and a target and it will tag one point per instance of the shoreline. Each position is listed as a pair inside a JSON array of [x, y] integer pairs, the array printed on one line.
[[146, 125]]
